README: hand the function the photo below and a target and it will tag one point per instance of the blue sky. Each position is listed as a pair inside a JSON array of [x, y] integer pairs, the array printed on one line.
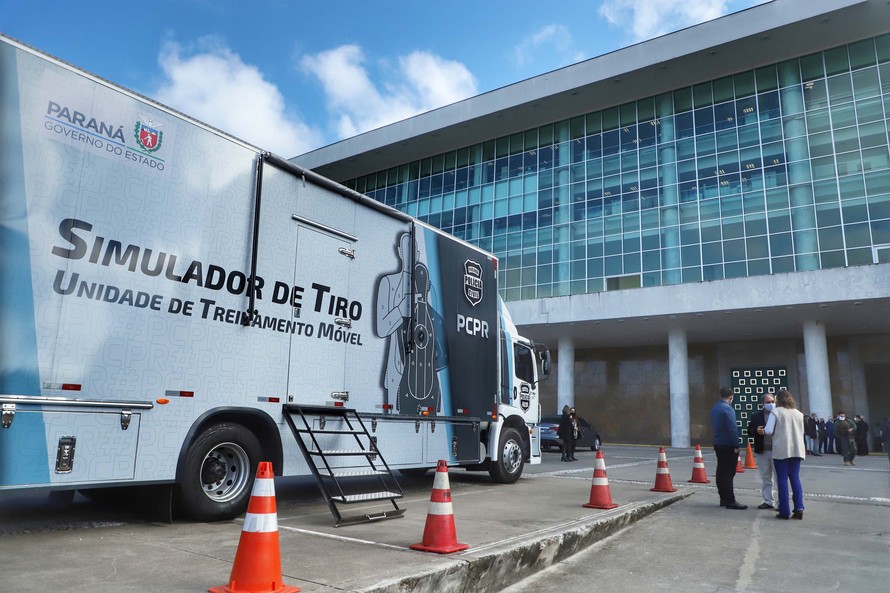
[[290, 76]]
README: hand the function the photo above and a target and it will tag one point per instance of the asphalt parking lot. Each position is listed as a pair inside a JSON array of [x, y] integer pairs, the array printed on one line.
[[653, 541]]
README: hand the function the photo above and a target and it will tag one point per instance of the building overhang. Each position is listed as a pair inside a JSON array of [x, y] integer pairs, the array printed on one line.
[[848, 301], [765, 34]]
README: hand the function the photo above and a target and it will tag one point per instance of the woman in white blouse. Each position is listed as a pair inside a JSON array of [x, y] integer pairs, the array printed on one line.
[[785, 425]]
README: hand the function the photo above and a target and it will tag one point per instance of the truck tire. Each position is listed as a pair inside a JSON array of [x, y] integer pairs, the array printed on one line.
[[507, 467], [217, 478]]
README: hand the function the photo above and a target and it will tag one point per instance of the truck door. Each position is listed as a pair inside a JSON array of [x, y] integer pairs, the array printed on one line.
[[317, 360], [525, 386]]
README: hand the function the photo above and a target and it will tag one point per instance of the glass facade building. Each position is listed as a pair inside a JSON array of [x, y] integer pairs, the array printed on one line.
[[778, 169]]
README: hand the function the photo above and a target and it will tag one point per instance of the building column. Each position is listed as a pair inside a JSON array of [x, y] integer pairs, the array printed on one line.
[[565, 381], [818, 381], [678, 363]]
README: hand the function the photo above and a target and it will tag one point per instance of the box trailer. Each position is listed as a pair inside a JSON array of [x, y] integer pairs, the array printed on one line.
[[178, 305]]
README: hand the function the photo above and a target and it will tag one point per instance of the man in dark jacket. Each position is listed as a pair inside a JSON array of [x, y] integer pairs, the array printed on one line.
[[726, 446], [566, 432], [763, 451], [861, 436], [829, 431]]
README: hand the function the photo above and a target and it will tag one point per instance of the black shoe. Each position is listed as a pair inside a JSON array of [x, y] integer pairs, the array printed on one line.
[[817, 455], [797, 515], [783, 517], [765, 506], [572, 459], [736, 506]]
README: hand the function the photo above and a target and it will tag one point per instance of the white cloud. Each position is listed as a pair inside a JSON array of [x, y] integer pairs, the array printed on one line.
[[550, 41], [214, 85], [421, 82], [650, 18]]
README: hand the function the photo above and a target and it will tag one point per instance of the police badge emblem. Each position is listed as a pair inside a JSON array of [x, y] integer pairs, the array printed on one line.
[[473, 282]]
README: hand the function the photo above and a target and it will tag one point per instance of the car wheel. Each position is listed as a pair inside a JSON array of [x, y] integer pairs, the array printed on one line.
[[507, 468], [218, 475], [596, 444]]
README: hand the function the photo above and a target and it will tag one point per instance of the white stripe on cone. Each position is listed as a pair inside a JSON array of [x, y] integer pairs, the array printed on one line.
[[662, 470], [601, 481], [262, 523], [440, 482], [440, 508], [263, 487]]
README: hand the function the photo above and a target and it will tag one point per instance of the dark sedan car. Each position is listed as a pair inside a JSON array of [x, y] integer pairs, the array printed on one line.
[[590, 436]]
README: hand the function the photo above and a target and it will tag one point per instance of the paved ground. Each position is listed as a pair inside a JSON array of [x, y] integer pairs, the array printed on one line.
[[515, 531]]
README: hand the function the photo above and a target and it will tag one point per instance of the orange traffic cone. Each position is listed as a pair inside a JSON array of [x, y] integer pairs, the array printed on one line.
[[750, 462], [439, 535], [257, 567], [663, 474], [738, 466], [600, 496], [698, 468]]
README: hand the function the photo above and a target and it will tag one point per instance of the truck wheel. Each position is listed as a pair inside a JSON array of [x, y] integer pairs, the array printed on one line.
[[217, 478], [507, 468]]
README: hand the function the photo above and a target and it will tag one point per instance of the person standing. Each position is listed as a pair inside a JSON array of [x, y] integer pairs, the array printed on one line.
[[763, 451], [829, 431], [566, 432], [845, 434], [811, 433], [785, 425], [726, 446], [861, 435], [885, 435], [823, 436]]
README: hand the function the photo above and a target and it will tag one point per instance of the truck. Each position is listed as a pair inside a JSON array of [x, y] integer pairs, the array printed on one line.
[[178, 305]]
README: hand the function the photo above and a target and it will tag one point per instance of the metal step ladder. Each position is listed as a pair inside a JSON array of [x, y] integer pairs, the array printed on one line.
[[326, 435]]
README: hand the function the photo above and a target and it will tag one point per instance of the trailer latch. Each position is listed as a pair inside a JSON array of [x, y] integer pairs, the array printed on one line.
[[125, 419], [8, 415], [373, 424], [343, 396], [343, 322], [417, 426], [454, 447], [350, 253], [65, 455]]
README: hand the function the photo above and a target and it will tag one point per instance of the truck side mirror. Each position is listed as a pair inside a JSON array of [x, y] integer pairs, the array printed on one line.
[[545, 364]]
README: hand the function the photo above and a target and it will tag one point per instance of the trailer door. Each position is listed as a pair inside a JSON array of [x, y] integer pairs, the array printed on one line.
[[317, 362]]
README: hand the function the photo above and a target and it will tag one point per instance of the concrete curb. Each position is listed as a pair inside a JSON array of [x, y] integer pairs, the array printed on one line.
[[510, 563]]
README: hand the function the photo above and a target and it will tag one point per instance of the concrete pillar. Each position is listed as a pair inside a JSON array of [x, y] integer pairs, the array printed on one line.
[[565, 384], [678, 362], [818, 382]]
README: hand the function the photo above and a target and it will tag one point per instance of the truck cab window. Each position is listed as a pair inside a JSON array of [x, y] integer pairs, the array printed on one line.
[[524, 362]]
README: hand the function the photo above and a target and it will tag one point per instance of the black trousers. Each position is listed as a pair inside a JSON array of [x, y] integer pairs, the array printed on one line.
[[727, 460], [568, 448]]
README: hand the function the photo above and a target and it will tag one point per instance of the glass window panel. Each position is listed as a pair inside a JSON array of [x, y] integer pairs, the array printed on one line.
[[734, 250], [779, 221], [850, 162], [691, 255], [831, 238], [704, 119], [823, 168], [766, 79], [811, 67], [755, 224], [744, 84], [805, 241], [818, 121], [865, 83], [852, 186], [840, 89], [723, 90], [837, 61], [877, 182], [682, 100], [780, 244], [710, 231], [843, 116], [862, 54], [879, 206], [846, 139], [857, 235], [789, 73], [735, 270], [873, 134], [769, 132], [880, 231], [820, 145], [832, 259], [691, 275], [768, 106], [711, 253], [757, 247], [855, 210], [828, 215], [815, 95], [728, 139]]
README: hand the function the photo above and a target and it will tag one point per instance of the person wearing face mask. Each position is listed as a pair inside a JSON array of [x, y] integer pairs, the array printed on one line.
[[763, 450], [785, 424], [845, 434]]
